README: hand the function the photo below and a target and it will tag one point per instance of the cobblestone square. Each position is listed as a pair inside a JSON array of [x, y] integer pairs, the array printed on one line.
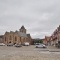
[[27, 53]]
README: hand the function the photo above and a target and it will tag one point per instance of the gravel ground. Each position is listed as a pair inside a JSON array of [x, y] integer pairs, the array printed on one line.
[[27, 53]]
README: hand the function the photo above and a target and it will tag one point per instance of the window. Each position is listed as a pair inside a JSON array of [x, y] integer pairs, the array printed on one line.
[[20, 38], [15, 38], [10, 42], [5, 38], [10, 38]]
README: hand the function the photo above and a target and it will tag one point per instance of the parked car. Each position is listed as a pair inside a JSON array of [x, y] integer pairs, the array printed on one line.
[[39, 45], [10, 44], [26, 44], [18, 45], [2, 44]]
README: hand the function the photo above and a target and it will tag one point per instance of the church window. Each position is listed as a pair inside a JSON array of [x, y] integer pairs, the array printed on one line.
[[5, 38], [20, 38], [10, 38], [10, 42], [15, 38]]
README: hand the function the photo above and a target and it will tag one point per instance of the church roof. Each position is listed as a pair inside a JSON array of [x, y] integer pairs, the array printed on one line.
[[21, 34]]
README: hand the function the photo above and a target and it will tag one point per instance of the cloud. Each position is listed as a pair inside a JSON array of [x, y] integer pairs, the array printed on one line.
[[40, 17]]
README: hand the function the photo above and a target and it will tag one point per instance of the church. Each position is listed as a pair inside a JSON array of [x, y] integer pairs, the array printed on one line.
[[17, 37]]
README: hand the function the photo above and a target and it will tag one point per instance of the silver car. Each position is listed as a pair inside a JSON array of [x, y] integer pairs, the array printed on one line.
[[39, 45], [18, 45]]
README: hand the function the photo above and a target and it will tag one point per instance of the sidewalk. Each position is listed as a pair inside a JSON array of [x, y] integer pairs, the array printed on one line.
[[53, 49]]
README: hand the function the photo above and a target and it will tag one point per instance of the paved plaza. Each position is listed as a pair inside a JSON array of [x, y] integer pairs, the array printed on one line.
[[29, 53]]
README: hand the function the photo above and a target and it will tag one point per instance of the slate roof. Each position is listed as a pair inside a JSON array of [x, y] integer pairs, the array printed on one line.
[[21, 34]]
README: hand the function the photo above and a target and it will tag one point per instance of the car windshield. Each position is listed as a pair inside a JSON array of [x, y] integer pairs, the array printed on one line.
[[37, 43]]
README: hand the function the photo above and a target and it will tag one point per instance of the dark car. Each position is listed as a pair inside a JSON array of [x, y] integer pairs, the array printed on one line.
[[10, 44]]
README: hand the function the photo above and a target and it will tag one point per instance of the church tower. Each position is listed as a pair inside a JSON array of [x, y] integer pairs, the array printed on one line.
[[22, 29]]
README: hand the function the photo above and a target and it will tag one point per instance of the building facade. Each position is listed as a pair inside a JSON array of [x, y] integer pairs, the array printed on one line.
[[46, 40], [55, 37], [17, 37]]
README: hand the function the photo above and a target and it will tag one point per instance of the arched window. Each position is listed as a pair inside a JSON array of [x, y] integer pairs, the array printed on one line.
[[20, 39], [5, 38], [15, 38], [10, 38], [10, 42]]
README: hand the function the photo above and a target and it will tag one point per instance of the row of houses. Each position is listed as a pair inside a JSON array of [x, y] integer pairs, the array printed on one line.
[[54, 38]]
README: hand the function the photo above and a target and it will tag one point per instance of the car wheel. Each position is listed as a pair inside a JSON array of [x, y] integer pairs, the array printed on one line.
[[36, 47]]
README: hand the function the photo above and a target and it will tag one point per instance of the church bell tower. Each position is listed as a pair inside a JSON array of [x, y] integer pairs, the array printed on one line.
[[22, 29]]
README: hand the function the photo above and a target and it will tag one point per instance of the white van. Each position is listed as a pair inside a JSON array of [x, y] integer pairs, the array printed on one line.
[[2, 44], [26, 44]]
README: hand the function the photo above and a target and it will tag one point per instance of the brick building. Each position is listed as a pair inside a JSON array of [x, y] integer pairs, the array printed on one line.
[[17, 37], [55, 37], [46, 40]]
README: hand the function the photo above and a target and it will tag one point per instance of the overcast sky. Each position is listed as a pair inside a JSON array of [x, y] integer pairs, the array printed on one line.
[[40, 17]]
